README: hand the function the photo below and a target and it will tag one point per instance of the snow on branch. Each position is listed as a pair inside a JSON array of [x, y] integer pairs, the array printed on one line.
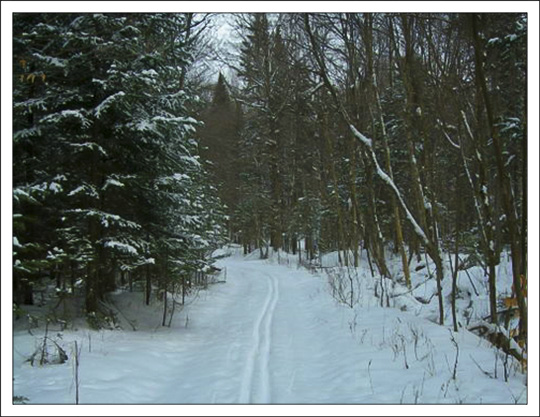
[[313, 89], [26, 133], [23, 194], [112, 182], [54, 61], [107, 219], [366, 141], [409, 215], [455, 145], [465, 121], [92, 146], [386, 178], [193, 160], [87, 190], [121, 247], [105, 104], [64, 115], [181, 120]]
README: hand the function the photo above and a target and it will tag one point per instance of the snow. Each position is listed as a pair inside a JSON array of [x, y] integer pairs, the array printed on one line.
[[55, 254], [67, 114], [313, 89], [107, 219], [122, 247], [512, 37], [187, 120], [89, 146], [87, 189], [270, 332], [510, 159], [145, 126], [23, 194], [455, 145], [77, 190], [55, 187], [150, 72], [56, 62], [105, 104], [26, 133], [193, 160], [177, 177], [366, 141], [409, 215], [113, 182]]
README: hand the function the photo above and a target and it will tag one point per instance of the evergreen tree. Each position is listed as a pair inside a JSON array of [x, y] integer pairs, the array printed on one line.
[[220, 145], [267, 94], [121, 176]]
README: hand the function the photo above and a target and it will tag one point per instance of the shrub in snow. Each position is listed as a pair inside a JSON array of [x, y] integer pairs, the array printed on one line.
[[49, 351]]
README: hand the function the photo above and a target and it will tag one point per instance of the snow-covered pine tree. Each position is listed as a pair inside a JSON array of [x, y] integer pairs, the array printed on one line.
[[112, 119], [267, 95], [36, 181]]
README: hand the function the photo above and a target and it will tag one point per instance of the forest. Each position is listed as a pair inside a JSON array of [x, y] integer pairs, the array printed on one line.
[[142, 142]]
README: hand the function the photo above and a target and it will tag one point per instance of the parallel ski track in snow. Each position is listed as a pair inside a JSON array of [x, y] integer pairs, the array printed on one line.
[[259, 356]]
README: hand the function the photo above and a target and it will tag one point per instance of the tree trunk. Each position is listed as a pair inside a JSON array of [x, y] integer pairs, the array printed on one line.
[[484, 216], [148, 284], [341, 232], [397, 221], [456, 258], [504, 180], [164, 306], [424, 202], [373, 228]]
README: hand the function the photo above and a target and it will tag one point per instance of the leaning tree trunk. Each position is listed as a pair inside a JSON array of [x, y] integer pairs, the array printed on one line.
[[397, 221], [368, 147], [425, 206]]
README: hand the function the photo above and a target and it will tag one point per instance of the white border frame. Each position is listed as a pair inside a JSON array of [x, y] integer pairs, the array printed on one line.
[[9, 7]]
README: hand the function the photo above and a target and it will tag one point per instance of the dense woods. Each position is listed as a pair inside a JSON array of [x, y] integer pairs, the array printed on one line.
[[384, 132], [108, 184], [403, 133]]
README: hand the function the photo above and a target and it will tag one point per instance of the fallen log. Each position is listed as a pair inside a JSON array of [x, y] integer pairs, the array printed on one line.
[[501, 338]]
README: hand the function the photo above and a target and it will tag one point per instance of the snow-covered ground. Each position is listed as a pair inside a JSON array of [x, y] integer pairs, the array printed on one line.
[[273, 334]]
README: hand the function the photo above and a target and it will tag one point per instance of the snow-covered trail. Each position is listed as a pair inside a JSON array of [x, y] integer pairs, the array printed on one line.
[[272, 334], [295, 354], [263, 342], [265, 336], [259, 355]]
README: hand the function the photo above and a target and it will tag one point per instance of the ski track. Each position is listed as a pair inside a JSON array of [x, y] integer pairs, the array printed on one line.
[[259, 356], [267, 343]]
